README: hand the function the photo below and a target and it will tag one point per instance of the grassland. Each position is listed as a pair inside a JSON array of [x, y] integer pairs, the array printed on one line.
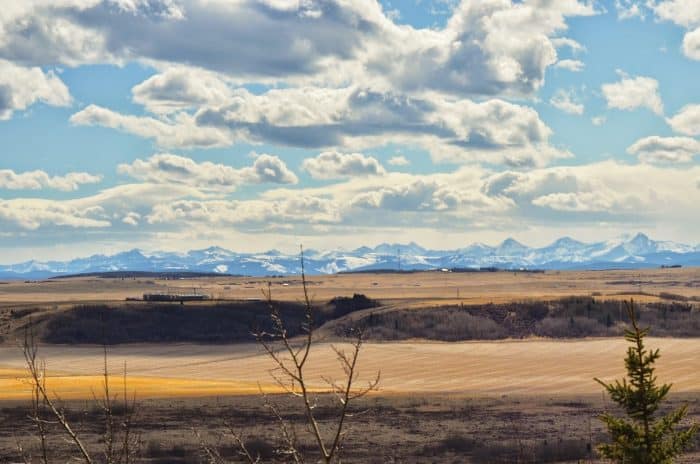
[[529, 366], [522, 398], [522, 367], [417, 289]]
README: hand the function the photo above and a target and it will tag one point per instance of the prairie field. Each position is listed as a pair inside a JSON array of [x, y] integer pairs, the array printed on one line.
[[497, 367], [529, 367], [509, 366], [415, 288]]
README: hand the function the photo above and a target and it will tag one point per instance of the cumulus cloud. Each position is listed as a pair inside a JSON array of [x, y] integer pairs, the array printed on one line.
[[581, 202], [399, 160], [104, 210], [631, 93], [349, 78], [31, 214], [565, 101], [21, 87], [430, 195], [37, 180], [132, 219], [657, 149], [333, 165], [181, 131], [691, 44], [487, 47], [468, 197], [351, 118], [570, 65], [255, 214], [607, 191], [686, 121], [574, 46], [181, 88], [167, 168], [685, 13], [628, 9]]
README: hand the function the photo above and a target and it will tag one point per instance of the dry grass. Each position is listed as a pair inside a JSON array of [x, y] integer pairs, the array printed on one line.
[[422, 288], [530, 367], [14, 385]]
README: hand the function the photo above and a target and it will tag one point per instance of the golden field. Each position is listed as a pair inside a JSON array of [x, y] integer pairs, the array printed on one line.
[[523, 367], [531, 366]]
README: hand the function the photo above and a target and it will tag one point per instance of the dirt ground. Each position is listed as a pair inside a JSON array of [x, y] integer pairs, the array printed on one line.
[[420, 288], [396, 429]]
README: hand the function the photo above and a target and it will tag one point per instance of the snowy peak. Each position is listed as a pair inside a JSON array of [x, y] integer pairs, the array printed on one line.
[[563, 253], [510, 246]]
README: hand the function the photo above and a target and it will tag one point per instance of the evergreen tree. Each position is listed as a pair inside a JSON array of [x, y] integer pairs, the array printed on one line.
[[642, 437]]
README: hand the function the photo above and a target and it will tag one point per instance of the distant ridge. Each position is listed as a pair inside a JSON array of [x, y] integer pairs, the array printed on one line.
[[563, 254], [142, 274]]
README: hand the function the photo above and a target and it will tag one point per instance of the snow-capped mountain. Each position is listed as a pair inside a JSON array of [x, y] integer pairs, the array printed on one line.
[[564, 253]]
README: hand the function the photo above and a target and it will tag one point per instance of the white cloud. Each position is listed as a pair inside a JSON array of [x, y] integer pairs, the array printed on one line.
[[487, 48], [687, 120], [565, 101], [97, 211], [598, 120], [37, 180], [575, 46], [352, 119], [691, 44], [21, 87], [628, 9], [428, 195], [336, 75], [132, 219], [269, 169], [634, 92], [333, 165], [398, 160], [657, 149], [181, 131], [32, 214], [682, 12], [181, 88], [570, 65], [167, 168], [685, 13], [606, 191], [297, 209], [580, 202], [561, 198]]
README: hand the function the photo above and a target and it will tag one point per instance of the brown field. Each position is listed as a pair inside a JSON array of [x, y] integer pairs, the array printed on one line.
[[529, 400], [499, 367], [420, 288], [529, 367]]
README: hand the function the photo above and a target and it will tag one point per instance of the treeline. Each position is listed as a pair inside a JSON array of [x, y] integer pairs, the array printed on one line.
[[229, 322], [570, 317]]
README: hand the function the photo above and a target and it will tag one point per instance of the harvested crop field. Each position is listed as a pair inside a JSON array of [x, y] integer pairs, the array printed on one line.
[[529, 367], [419, 288]]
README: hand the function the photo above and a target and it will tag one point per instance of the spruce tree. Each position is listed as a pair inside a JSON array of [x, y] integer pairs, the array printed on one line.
[[642, 437]]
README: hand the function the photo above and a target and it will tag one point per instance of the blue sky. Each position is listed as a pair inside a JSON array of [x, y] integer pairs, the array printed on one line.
[[258, 124]]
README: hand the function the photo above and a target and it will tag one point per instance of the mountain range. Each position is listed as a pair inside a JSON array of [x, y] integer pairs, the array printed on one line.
[[565, 253]]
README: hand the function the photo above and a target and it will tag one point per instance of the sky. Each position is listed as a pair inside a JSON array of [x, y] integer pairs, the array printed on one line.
[[261, 124]]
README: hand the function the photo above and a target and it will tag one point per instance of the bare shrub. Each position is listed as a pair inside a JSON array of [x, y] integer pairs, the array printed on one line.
[[572, 327], [290, 357], [120, 444]]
